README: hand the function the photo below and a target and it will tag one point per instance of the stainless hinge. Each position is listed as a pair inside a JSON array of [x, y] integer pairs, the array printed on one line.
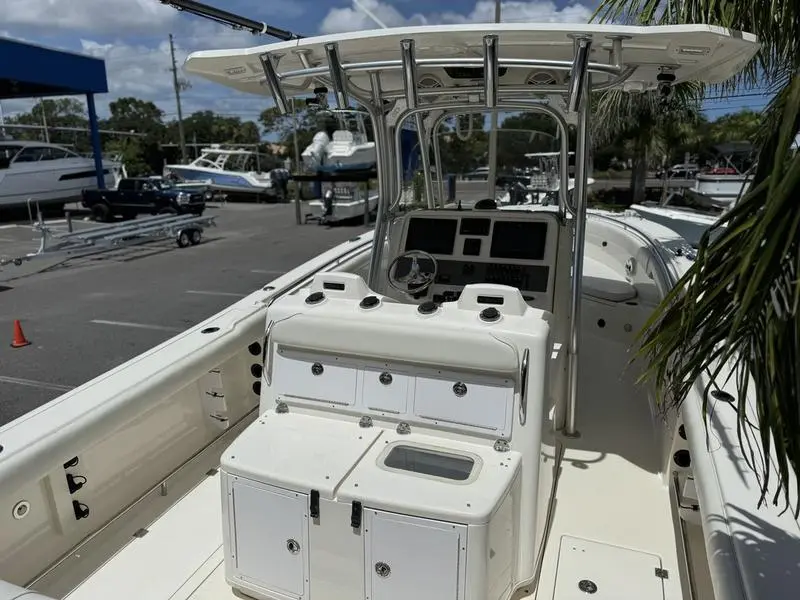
[[140, 533], [662, 573]]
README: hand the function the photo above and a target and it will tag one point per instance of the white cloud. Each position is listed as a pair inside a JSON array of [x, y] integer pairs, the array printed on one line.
[[353, 18], [138, 65], [97, 15], [142, 70]]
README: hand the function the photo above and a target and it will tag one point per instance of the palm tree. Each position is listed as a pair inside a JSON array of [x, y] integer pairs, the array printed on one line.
[[739, 301], [648, 122]]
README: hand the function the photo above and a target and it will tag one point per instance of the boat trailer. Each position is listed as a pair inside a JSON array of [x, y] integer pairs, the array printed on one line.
[[187, 230]]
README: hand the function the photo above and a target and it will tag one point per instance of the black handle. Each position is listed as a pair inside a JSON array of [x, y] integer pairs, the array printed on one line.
[[313, 509], [355, 515]]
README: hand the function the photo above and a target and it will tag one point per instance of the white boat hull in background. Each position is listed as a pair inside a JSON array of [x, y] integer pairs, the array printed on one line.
[[52, 182], [343, 209], [689, 224], [719, 190]]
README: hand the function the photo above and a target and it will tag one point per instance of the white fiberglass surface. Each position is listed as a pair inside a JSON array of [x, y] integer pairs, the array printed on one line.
[[609, 490]]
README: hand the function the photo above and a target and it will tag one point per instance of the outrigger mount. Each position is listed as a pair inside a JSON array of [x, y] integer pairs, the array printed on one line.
[[231, 19]]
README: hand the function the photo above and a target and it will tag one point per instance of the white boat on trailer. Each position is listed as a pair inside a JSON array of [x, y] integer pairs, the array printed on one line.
[[232, 171], [406, 415], [47, 174]]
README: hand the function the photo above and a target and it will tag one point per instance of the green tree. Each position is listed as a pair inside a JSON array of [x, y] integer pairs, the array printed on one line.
[[521, 134], [738, 303], [59, 112], [463, 153], [733, 127], [646, 121], [141, 155]]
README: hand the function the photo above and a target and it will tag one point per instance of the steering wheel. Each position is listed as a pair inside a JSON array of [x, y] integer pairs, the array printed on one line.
[[416, 277]]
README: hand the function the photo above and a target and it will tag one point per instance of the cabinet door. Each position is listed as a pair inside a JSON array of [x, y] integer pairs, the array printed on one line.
[[309, 377], [271, 537], [411, 558], [385, 391]]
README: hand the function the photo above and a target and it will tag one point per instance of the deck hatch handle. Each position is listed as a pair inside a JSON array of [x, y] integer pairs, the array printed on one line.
[[355, 515], [313, 509]]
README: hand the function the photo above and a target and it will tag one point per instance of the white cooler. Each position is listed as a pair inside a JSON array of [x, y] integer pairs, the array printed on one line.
[[366, 513]]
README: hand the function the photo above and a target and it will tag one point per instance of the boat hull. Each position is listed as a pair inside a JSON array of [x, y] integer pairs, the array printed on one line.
[[343, 209], [720, 190], [234, 182], [688, 224], [61, 181]]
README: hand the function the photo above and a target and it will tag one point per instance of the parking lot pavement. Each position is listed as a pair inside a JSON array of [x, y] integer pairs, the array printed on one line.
[[91, 314]]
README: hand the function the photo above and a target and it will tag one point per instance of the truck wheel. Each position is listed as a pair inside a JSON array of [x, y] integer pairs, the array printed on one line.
[[195, 236], [184, 239], [101, 213]]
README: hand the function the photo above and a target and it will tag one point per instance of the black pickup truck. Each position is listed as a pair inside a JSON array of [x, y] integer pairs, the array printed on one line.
[[137, 196]]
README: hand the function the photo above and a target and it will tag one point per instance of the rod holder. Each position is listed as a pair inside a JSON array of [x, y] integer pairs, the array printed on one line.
[[490, 69], [337, 75], [273, 83], [579, 73], [409, 63]]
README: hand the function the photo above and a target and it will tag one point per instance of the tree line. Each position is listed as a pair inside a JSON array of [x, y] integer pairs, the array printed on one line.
[[463, 143]]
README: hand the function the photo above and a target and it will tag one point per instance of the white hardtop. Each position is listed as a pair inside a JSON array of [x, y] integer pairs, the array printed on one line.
[[696, 52]]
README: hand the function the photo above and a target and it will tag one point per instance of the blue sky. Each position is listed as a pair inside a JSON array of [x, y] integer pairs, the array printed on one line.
[[131, 35]]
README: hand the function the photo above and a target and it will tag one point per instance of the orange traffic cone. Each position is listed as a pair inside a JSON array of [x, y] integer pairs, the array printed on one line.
[[19, 337]]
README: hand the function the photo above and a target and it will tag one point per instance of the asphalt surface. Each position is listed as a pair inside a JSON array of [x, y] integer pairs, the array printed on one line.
[[89, 315]]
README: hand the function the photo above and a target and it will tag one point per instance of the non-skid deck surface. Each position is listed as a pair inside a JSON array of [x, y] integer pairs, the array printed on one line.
[[612, 520]]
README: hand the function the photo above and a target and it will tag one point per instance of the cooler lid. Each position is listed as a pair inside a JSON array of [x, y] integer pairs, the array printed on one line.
[[299, 452]]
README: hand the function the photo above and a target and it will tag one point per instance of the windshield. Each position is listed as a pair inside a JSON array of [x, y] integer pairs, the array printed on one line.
[[528, 160]]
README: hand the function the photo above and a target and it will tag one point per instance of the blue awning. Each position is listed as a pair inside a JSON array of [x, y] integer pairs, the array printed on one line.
[[28, 71]]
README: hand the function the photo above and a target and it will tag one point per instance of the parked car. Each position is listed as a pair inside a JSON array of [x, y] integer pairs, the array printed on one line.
[[137, 196], [680, 171]]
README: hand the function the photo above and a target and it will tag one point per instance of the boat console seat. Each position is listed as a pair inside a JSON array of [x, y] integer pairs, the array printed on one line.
[[393, 438], [605, 283], [339, 346]]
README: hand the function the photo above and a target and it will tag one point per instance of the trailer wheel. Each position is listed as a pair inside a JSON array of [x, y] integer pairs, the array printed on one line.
[[195, 236], [184, 239]]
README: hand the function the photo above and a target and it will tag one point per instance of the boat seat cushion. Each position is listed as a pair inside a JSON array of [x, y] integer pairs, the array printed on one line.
[[454, 348], [602, 282]]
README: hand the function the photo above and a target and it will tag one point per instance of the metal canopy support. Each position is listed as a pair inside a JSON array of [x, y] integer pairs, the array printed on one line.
[[97, 149], [384, 166], [409, 73], [579, 73], [408, 57], [337, 75], [490, 85], [273, 83], [579, 220], [490, 69]]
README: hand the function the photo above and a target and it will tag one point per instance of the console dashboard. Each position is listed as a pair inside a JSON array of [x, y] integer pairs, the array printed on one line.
[[518, 250]]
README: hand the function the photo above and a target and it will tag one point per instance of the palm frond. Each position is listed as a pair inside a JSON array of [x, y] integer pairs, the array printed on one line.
[[738, 303]]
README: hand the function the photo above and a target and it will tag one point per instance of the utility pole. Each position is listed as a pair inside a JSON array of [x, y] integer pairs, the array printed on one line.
[[44, 121], [178, 85]]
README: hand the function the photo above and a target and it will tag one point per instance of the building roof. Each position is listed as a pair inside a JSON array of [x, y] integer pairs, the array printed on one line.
[[28, 70]]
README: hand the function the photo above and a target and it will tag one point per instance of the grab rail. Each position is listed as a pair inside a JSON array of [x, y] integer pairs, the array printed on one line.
[[523, 387]]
